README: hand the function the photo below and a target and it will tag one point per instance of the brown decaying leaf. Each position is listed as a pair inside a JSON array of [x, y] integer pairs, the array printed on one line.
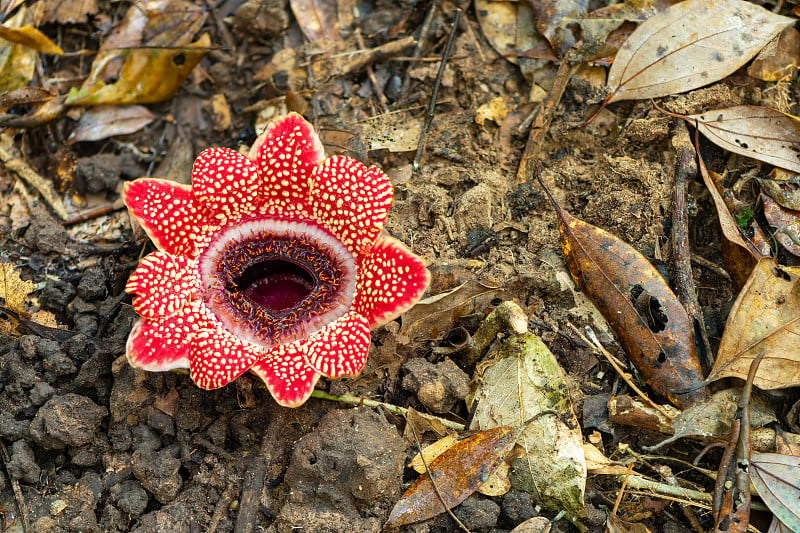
[[740, 255], [496, 484], [498, 21], [776, 478], [764, 317], [149, 75], [783, 186], [549, 15], [691, 44], [644, 313], [786, 223], [614, 524], [69, 11], [778, 60], [101, 122], [434, 316], [758, 132], [317, 18], [458, 472]]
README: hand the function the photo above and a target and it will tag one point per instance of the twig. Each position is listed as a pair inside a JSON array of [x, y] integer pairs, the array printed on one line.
[[223, 29], [371, 75], [95, 212], [595, 343], [731, 504], [254, 478], [621, 491], [22, 507], [435, 93], [686, 168], [222, 505], [401, 411], [433, 481], [713, 267], [544, 117], [421, 42]]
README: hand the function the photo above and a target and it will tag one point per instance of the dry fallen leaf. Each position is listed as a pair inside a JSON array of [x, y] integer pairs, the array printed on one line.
[[17, 62], [149, 75], [778, 60], [786, 223], [432, 317], [758, 132], [386, 132], [783, 186], [710, 418], [497, 483], [458, 472], [32, 38], [13, 289], [101, 122], [549, 17], [776, 479], [644, 313], [691, 44], [764, 317], [522, 381], [317, 18], [740, 255]]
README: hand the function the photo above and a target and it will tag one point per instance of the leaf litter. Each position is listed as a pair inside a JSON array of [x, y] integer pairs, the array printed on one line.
[[689, 45]]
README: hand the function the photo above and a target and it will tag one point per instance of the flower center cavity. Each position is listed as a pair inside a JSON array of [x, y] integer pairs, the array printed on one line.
[[274, 281]]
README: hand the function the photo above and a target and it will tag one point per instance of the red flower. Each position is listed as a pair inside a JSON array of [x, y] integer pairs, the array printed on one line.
[[272, 263]]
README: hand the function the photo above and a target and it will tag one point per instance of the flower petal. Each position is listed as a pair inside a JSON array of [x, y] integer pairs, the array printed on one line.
[[162, 284], [225, 182], [351, 200], [288, 377], [168, 213], [341, 347], [216, 357], [159, 345], [391, 279], [284, 154]]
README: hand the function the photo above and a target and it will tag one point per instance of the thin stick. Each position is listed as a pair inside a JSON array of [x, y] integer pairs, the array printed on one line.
[[435, 93], [595, 343], [421, 42], [686, 168], [541, 123], [22, 507], [222, 505], [253, 481], [400, 411], [433, 481], [621, 491], [371, 75]]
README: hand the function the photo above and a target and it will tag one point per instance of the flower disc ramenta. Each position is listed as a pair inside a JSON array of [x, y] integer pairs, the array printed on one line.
[[272, 262]]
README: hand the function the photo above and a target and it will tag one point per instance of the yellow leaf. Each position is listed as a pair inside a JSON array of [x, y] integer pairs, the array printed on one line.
[[12, 288]]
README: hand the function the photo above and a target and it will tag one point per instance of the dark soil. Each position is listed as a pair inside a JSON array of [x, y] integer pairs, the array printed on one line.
[[94, 445]]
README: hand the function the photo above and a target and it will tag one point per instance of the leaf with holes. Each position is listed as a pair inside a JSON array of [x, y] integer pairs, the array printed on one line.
[[758, 132], [689, 45], [764, 317], [149, 75], [458, 472], [522, 381], [776, 478], [644, 313]]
